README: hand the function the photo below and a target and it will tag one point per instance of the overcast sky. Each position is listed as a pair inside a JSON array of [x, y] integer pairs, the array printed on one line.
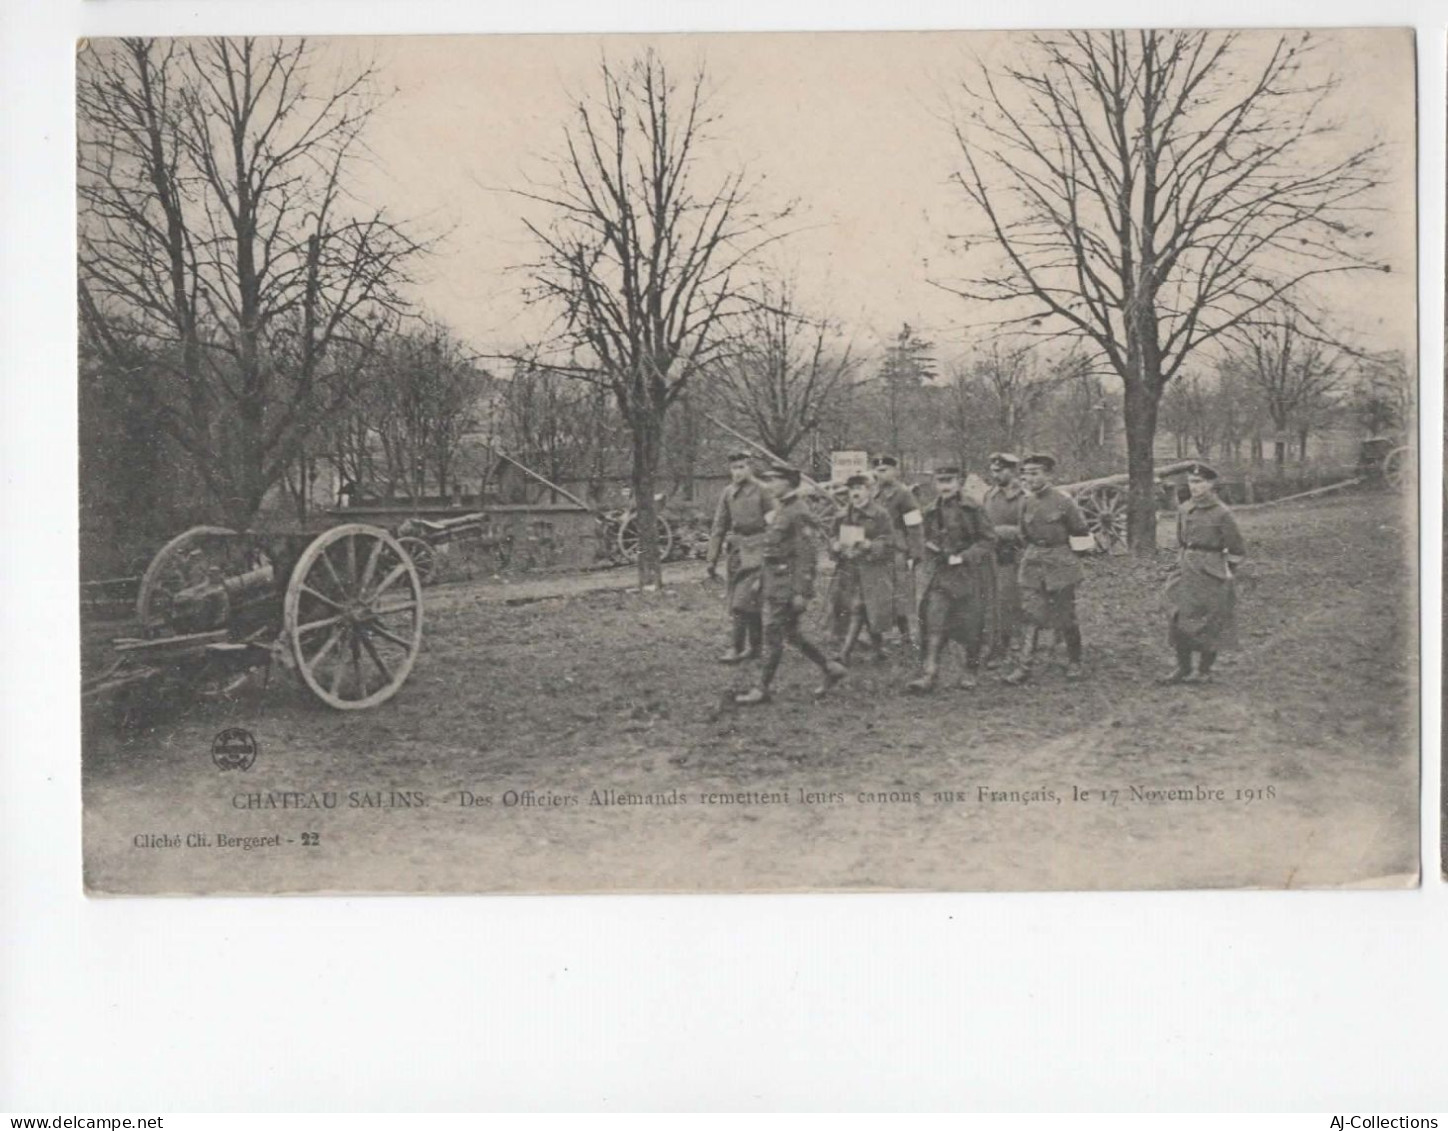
[[849, 125]]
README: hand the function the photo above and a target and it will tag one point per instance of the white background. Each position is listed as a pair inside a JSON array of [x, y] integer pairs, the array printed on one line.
[[1304, 1000]]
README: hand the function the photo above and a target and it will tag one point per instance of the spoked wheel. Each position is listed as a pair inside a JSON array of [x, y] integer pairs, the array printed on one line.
[[189, 560], [822, 508], [423, 556], [628, 537], [1105, 512], [353, 615], [1398, 468]]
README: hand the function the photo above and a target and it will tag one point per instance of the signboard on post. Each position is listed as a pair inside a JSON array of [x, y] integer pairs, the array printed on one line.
[[845, 464]]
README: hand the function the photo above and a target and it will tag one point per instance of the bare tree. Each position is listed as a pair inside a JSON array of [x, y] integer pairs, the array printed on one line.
[[1148, 192], [1016, 385], [909, 364], [784, 368], [640, 258], [218, 244], [1294, 374], [555, 424]]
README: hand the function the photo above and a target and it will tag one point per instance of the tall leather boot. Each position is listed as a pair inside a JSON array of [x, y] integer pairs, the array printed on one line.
[[852, 635], [925, 682], [738, 652], [1024, 658], [754, 633], [1183, 670], [1204, 667], [1073, 652]]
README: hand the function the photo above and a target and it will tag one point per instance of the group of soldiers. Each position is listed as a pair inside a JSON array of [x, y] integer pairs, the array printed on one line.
[[991, 576]]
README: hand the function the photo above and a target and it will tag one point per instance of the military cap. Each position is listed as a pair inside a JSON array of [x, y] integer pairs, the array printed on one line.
[[857, 481], [1004, 459], [886, 461], [1202, 471], [740, 455], [1039, 459], [948, 469]]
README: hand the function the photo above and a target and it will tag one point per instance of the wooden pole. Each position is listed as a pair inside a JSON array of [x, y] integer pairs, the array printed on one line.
[[743, 439]]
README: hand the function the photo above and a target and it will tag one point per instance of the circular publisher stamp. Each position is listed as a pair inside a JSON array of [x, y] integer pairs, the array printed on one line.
[[234, 749]]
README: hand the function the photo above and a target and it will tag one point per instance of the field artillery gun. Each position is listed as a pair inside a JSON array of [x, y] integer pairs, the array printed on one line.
[[1384, 459], [1103, 502], [424, 539], [342, 608]]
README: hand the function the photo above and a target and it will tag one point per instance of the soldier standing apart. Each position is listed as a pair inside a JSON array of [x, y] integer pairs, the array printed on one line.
[[739, 525], [787, 584], [1005, 503], [863, 545], [1202, 598], [957, 579], [905, 516], [1049, 571]]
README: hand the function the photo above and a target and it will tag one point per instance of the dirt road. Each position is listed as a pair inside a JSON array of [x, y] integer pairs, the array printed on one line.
[[581, 743]]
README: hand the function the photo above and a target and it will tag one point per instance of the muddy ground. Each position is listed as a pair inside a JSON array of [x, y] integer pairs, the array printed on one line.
[[490, 770]]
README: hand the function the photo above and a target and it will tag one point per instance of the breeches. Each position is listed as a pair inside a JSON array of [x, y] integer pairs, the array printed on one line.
[[1049, 608]]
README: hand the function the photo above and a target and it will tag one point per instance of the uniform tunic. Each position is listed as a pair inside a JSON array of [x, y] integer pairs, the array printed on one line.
[[863, 573], [739, 524], [1004, 509], [789, 557], [1202, 598], [1049, 571], [904, 512], [958, 572]]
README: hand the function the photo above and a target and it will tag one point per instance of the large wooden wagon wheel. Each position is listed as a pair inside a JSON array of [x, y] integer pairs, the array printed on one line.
[[423, 556], [1105, 512], [628, 537], [1398, 468], [189, 559], [353, 616]]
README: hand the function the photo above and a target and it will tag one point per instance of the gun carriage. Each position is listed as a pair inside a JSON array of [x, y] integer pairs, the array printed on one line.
[[342, 608]]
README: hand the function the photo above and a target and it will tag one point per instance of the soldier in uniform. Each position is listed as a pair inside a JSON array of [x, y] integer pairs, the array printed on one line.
[[905, 515], [739, 526], [787, 584], [862, 543], [957, 579], [1004, 503], [1202, 597], [1049, 571]]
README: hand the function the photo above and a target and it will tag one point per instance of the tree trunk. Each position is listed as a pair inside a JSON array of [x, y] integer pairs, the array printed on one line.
[[647, 428], [1140, 411]]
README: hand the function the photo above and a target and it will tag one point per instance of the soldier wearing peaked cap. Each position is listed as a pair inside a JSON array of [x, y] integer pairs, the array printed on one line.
[[1004, 504], [786, 585], [1049, 572], [862, 543], [906, 519], [957, 579], [739, 527], [1202, 597]]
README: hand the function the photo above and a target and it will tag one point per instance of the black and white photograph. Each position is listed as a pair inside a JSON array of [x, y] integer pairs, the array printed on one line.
[[908, 461]]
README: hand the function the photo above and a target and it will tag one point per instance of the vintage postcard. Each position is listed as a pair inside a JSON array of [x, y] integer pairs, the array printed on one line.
[[751, 462]]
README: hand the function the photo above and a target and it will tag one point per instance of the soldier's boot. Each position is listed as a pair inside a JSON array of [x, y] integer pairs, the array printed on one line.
[[971, 679], [754, 633], [1024, 658], [924, 683], [737, 653], [877, 646], [852, 636], [834, 672], [903, 625], [1183, 670], [999, 651], [773, 653], [1204, 667], [1073, 653]]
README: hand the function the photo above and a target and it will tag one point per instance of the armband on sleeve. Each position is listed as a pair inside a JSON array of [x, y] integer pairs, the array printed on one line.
[[912, 518]]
